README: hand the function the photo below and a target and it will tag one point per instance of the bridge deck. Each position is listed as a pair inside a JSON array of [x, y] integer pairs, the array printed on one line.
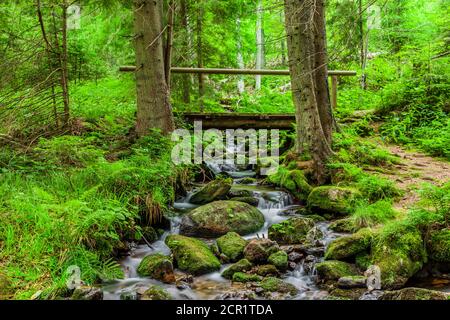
[[242, 120]]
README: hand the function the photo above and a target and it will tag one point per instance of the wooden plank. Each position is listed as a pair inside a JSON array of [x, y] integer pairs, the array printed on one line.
[[239, 71], [223, 121]]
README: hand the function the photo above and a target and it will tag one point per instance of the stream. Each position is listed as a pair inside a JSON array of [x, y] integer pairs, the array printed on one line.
[[276, 206]]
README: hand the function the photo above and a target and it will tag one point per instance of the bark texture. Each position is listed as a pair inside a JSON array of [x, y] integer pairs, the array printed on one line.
[[153, 100], [306, 39]]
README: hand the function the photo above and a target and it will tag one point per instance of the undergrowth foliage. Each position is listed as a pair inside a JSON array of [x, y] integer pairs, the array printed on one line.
[[79, 215]]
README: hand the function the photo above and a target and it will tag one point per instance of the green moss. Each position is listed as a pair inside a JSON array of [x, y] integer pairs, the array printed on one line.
[[363, 260], [245, 277], [293, 181], [333, 200], [349, 246], [192, 255], [232, 245], [291, 231], [156, 293], [250, 200], [279, 259], [5, 287], [240, 266], [272, 284], [265, 270], [345, 225], [399, 252], [219, 217], [333, 270], [439, 246], [415, 294], [214, 190], [157, 266]]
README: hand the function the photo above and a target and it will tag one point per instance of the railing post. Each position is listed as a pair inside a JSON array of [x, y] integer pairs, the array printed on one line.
[[334, 85]]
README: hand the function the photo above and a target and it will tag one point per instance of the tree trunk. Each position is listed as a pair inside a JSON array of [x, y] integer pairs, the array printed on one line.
[[363, 55], [201, 76], [321, 70], [63, 61], [169, 42], [240, 58], [307, 83], [259, 41], [153, 98], [186, 78]]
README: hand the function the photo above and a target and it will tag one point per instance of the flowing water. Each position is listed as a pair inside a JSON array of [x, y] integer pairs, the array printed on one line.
[[276, 206]]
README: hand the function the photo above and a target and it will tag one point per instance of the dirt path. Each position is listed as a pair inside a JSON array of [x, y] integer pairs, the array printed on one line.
[[415, 169]]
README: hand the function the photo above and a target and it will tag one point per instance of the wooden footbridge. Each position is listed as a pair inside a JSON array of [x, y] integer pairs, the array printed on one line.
[[248, 120]]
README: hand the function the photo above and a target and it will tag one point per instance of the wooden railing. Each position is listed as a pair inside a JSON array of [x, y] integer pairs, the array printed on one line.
[[334, 74]]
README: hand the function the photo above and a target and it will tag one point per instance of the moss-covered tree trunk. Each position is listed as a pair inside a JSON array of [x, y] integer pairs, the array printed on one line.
[[306, 38], [153, 99]]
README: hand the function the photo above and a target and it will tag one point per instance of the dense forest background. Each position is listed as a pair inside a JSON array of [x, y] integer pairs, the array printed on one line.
[[74, 179]]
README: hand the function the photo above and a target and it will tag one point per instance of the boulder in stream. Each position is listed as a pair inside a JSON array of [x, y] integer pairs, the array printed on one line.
[[349, 246], [232, 245], [293, 181], [279, 259], [415, 294], [156, 293], [332, 270], [240, 266], [220, 217], [291, 231], [214, 190], [192, 255], [157, 266], [272, 284], [337, 201], [350, 282], [87, 293], [399, 253], [259, 250]]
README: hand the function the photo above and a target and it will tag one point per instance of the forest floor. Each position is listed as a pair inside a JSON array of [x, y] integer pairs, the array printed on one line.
[[414, 170]]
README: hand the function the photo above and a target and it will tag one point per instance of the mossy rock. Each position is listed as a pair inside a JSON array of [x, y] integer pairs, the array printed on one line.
[[245, 277], [332, 270], [156, 293], [439, 246], [157, 266], [265, 270], [348, 247], [240, 266], [231, 245], [250, 200], [247, 180], [220, 217], [5, 287], [272, 284], [363, 260], [348, 294], [258, 250], [346, 225], [399, 256], [293, 181], [192, 255], [279, 260], [415, 294], [337, 201], [237, 192], [214, 190], [350, 282], [291, 231], [87, 293]]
